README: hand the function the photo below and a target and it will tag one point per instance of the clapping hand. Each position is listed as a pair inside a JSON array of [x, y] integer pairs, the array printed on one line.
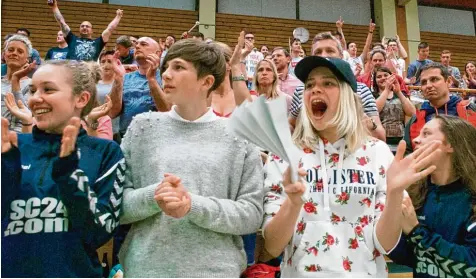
[[154, 62], [117, 66], [100, 111], [404, 171], [25, 70], [9, 138], [172, 197], [18, 109], [70, 134], [409, 220]]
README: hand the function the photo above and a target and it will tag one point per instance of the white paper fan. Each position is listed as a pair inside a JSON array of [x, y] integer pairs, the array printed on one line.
[[265, 124]]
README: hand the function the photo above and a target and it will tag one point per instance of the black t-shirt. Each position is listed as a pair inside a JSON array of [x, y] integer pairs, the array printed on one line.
[[84, 49], [57, 53]]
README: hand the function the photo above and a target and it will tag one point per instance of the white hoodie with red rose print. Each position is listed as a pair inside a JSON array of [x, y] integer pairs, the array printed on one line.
[[334, 234]]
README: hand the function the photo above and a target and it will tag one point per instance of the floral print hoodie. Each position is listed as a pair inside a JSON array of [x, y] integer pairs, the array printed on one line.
[[335, 233]]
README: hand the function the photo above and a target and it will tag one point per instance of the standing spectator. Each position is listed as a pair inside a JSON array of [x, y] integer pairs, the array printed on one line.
[[252, 58], [295, 58], [61, 51], [195, 188], [287, 82], [394, 48], [133, 40], [413, 72], [169, 41], [302, 53], [357, 62], [469, 76], [223, 99], [17, 51], [61, 197], [326, 45], [393, 106], [126, 50], [266, 81], [139, 91], [435, 89], [84, 47], [455, 75], [35, 55], [443, 244], [378, 58], [264, 50]]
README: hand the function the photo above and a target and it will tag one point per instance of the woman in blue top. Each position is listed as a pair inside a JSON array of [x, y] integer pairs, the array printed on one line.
[[439, 217], [61, 197]]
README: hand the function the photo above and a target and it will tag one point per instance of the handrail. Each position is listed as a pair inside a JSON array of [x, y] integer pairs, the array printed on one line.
[[459, 90]]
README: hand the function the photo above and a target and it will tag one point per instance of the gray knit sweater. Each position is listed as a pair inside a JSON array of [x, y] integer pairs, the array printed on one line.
[[224, 176]]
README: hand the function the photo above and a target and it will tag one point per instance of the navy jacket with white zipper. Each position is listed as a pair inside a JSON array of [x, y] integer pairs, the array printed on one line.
[[57, 211]]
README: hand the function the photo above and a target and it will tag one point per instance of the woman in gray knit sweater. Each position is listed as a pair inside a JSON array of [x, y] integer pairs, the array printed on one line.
[[191, 187]]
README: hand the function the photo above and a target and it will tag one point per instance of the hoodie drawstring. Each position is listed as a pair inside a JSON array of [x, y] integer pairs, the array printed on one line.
[[325, 181]]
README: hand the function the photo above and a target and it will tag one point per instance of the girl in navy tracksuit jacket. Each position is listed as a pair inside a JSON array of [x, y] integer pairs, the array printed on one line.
[[439, 228], [61, 196]]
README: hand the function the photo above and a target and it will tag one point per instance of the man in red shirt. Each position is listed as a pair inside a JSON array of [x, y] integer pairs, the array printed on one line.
[[378, 58]]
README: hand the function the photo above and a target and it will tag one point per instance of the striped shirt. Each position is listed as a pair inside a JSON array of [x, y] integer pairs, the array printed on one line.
[[368, 100]]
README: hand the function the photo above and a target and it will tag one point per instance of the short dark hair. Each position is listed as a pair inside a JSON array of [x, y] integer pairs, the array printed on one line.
[[378, 44], [104, 53], [170, 35], [374, 81], [286, 52], [348, 44], [197, 34], [295, 40], [443, 70], [392, 40], [445, 51], [22, 29], [207, 58], [423, 45], [124, 41]]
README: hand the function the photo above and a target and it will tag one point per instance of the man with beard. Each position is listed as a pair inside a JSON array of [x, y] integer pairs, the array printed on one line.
[[139, 91], [84, 47]]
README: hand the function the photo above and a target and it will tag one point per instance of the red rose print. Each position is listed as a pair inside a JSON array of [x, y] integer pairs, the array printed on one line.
[[290, 261], [366, 202], [319, 185], [381, 171], [313, 250], [364, 221], [276, 188], [376, 253], [312, 268], [347, 264], [363, 161], [317, 167], [364, 147], [300, 164], [358, 231], [353, 243], [343, 198], [335, 219], [301, 226], [334, 158], [379, 206], [310, 207], [330, 240], [355, 177], [307, 150], [326, 152], [275, 157]]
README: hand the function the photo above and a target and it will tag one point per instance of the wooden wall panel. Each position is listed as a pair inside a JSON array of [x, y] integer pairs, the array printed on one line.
[[275, 32], [462, 47], [465, 4], [36, 16]]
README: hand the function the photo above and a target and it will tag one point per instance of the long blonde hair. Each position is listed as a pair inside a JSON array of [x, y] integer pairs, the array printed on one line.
[[274, 85], [349, 120]]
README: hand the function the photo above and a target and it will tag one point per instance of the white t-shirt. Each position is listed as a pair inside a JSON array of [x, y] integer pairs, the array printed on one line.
[[399, 64], [292, 65], [354, 61], [251, 61]]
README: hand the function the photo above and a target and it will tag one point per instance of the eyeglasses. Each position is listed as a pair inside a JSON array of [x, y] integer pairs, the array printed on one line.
[[249, 38]]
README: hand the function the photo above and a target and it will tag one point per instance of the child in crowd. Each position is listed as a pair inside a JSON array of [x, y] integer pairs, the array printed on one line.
[[341, 229], [60, 196], [439, 217], [192, 191]]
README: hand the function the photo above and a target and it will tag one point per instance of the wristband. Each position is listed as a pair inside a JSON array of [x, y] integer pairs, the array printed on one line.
[[238, 78]]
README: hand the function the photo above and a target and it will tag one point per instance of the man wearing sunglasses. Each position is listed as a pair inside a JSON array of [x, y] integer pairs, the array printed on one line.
[[252, 58]]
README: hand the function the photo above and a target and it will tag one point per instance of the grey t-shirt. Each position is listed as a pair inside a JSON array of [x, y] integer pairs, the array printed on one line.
[[15, 123]]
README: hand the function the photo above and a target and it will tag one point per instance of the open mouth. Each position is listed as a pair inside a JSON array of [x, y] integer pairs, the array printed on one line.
[[319, 108]]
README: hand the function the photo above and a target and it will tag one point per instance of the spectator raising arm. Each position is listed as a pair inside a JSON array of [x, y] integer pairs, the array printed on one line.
[[117, 87], [59, 17], [368, 42], [106, 34], [237, 71], [401, 49], [339, 25]]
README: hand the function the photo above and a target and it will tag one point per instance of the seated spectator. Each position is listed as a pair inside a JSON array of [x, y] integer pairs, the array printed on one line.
[[84, 47], [413, 72], [126, 50], [17, 51], [326, 45], [139, 91], [35, 55], [455, 75], [435, 88], [61, 51], [469, 76], [378, 58], [295, 58], [169, 41], [396, 55], [442, 245], [189, 176], [287, 82], [60, 189], [264, 50], [393, 106]]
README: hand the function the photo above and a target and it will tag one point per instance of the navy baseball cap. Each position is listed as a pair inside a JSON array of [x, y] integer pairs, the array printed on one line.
[[338, 67]]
